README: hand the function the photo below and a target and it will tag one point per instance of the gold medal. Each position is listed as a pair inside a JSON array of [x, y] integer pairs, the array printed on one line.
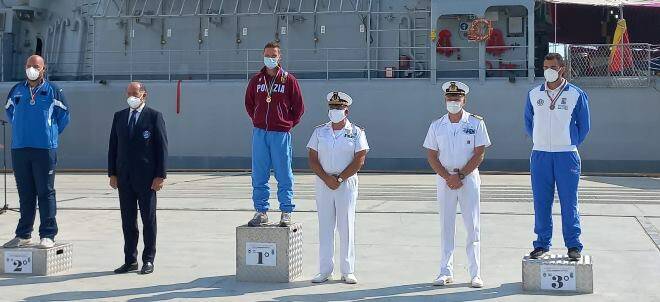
[[270, 88]]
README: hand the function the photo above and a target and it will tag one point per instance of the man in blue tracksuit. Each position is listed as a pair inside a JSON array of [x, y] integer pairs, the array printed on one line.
[[38, 112], [557, 119]]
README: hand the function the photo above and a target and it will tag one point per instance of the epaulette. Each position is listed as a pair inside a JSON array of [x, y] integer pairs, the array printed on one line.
[[319, 126], [356, 125], [477, 116]]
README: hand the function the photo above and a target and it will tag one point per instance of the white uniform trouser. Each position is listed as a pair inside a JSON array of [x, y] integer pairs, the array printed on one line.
[[336, 209], [468, 197]]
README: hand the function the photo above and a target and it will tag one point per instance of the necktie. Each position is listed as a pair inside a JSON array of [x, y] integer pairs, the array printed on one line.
[[131, 123]]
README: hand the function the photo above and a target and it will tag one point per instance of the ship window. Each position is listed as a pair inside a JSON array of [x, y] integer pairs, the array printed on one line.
[[506, 50], [457, 57], [39, 47]]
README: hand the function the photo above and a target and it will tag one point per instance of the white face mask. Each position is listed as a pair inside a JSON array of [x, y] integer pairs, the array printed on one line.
[[134, 102], [454, 107], [336, 115], [551, 75], [32, 73], [270, 63]]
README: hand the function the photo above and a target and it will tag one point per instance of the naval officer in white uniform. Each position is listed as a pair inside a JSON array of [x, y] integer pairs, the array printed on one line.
[[337, 151], [456, 146]]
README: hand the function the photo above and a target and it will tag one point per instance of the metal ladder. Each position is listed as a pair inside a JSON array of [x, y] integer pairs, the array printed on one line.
[[421, 28], [87, 8]]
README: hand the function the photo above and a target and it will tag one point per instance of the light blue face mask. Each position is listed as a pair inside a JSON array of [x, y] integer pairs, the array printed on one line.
[[270, 63]]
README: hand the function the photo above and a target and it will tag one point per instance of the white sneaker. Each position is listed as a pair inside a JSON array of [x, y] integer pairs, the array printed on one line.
[[477, 282], [443, 280], [320, 278], [349, 279], [17, 242], [46, 243]]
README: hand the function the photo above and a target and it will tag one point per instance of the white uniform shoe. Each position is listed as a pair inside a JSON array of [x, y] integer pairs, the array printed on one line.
[[477, 282], [46, 243], [320, 278], [443, 280], [349, 279]]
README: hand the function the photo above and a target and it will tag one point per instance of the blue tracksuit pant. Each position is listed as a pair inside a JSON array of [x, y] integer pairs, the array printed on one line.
[[34, 170], [563, 170], [271, 149]]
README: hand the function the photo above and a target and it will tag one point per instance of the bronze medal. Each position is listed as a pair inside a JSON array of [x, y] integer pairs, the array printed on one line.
[[553, 101]]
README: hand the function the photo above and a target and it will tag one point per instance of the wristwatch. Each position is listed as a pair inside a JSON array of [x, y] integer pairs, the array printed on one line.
[[461, 176]]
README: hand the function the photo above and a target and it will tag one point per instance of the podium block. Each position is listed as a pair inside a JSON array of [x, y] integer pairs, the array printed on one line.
[[269, 253], [558, 273], [33, 261]]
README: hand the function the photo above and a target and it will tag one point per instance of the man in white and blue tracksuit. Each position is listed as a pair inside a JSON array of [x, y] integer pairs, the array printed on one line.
[[38, 112], [557, 119]]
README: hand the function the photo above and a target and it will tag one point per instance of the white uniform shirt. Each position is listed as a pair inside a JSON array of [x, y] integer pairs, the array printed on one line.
[[455, 143], [336, 151]]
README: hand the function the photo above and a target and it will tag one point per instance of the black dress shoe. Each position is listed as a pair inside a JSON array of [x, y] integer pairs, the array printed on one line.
[[574, 254], [537, 252], [127, 268], [147, 268]]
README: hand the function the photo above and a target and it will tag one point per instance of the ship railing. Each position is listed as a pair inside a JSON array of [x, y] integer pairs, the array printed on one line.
[[457, 62], [506, 61], [221, 8], [588, 65], [167, 64], [496, 61]]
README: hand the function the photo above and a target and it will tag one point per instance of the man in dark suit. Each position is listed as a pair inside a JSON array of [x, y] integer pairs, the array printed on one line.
[[137, 167]]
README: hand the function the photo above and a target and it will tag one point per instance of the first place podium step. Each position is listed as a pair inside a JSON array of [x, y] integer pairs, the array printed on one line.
[[269, 253], [34, 261]]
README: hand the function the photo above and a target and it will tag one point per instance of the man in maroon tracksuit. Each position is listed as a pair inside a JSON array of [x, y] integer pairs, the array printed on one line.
[[275, 104]]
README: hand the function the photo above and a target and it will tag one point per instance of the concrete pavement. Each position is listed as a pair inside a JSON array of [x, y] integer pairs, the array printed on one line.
[[397, 235]]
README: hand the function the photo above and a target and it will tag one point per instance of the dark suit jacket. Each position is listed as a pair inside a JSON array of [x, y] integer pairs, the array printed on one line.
[[140, 159]]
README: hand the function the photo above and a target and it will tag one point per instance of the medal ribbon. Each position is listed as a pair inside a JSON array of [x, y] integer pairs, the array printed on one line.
[[553, 101], [272, 84], [35, 92]]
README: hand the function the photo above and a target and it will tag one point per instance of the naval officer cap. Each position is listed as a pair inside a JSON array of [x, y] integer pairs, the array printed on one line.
[[339, 98], [455, 88]]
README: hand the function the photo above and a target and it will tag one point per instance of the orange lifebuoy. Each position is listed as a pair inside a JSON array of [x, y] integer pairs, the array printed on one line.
[[480, 30], [444, 43], [495, 44]]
